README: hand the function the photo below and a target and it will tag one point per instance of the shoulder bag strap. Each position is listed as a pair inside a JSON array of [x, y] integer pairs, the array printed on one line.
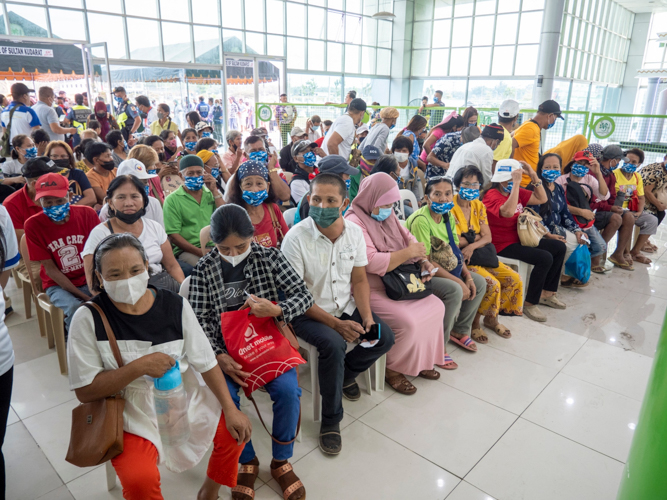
[[9, 122], [276, 225], [110, 226], [109, 331]]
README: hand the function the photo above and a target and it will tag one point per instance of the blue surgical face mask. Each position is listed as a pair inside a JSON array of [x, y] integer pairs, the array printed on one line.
[[309, 159], [469, 194], [579, 170], [628, 168], [347, 184], [205, 134], [31, 152], [441, 208], [190, 145], [550, 175], [508, 188], [215, 172], [472, 124], [152, 171], [315, 128], [118, 99], [383, 215], [392, 126], [194, 183], [550, 125], [214, 151], [126, 148], [147, 188], [436, 99], [255, 198], [259, 156], [57, 213]]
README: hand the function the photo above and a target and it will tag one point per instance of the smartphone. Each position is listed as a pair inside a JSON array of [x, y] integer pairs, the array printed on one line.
[[272, 149], [426, 273], [372, 334]]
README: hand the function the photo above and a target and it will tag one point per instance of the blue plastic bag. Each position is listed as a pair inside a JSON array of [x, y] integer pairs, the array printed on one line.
[[578, 266]]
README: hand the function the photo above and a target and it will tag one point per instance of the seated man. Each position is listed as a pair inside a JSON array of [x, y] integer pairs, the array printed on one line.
[[329, 253], [56, 239], [98, 154], [478, 152], [286, 163], [188, 209], [369, 156]]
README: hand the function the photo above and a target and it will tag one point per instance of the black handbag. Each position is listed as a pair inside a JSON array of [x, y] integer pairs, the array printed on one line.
[[404, 283], [485, 257]]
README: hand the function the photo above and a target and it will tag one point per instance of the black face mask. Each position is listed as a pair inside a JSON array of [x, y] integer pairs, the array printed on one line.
[[108, 165], [128, 218], [161, 157], [63, 163], [101, 115]]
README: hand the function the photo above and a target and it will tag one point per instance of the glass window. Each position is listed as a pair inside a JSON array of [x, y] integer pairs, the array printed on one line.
[[458, 66], [368, 60], [112, 34], [232, 17], [370, 28], [316, 58], [371, 6], [462, 30], [439, 62], [275, 16], [335, 26], [384, 34], [463, 8], [335, 4], [275, 45], [485, 7], [384, 62], [27, 20], [421, 35], [424, 10], [454, 91], [509, 24], [316, 22], [561, 92], [579, 96], [488, 93], [205, 11], [335, 56], [483, 34], [508, 5], [174, 10], [532, 5], [254, 15], [420, 63], [441, 33], [207, 44], [526, 60], [352, 29], [352, 58], [142, 9], [480, 61], [353, 6], [232, 41], [503, 60], [531, 27], [296, 51], [443, 9], [176, 42], [104, 6], [254, 43], [66, 3], [67, 24], [144, 39]]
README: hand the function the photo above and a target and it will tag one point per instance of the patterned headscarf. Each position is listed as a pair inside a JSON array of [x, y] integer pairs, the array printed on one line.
[[596, 150], [252, 167]]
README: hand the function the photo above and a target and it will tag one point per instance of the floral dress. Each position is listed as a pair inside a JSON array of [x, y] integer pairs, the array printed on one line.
[[654, 175], [415, 145], [443, 150]]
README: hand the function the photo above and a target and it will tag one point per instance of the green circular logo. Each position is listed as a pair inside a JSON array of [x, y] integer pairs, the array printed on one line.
[[265, 113], [604, 127]]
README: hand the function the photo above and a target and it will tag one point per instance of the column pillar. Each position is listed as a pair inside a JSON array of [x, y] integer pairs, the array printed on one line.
[[651, 93], [401, 53], [548, 55]]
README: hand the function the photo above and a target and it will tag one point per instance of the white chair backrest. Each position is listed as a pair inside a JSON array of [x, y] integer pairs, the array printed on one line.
[[406, 194], [288, 215], [185, 288]]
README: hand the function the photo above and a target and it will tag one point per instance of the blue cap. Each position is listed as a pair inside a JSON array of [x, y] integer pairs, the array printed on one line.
[[170, 380], [371, 152]]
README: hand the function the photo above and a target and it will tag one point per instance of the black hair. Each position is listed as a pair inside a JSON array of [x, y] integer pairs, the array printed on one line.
[[356, 105], [540, 163], [142, 100], [121, 180], [328, 123], [637, 152], [385, 163], [331, 180], [436, 180], [451, 124], [114, 241], [402, 142], [468, 171], [78, 98], [39, 135], [194, 117], [352, 94], [114, 138], [251, 139], [187, 131], [165, 107], [93, 124], [468, 113], [438, 92], [236, 193], [16, 143], [502, 119], [417, 122], [164, 135], [205, 143], [152, 139], [95, 149], [546, 208], [425, 98], [230, 219], [80, 150]]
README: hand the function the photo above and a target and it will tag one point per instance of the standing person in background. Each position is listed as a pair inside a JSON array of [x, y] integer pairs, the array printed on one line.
[[508, 114], [144, 105], [202, 108], [313, 128], [104, 118], [77, 116], [378, 135], [48, 117], [470, 116], [349, 97], [233, 113], [339, 139], [163, 121], [436, 115], [127, 116], [24, 119], [209, 118], [285, 119], [218, 121], [243, 112]]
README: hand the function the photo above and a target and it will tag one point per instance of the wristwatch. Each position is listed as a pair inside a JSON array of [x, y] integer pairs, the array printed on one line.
[[537, 183], [217, 196], [273, 170]]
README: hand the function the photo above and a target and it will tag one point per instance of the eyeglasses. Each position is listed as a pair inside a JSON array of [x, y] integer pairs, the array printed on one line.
[[470, 186], [56, 157]]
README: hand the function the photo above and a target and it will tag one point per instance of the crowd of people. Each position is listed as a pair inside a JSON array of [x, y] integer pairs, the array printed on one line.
[[121, 218]]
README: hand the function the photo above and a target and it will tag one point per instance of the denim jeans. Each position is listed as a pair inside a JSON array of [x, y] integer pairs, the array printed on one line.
[[285, 393], [598, 246], [66, 301]]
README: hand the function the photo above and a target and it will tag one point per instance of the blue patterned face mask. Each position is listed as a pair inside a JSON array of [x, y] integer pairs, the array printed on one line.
[[347, 184], [469, 194], [441, 208], [628, 168], [309, 159], [190, 145], [126, 148], [579, 170], [152, 171], [551, 125], [550, 175], [259, 156], [57, 213], [147, 188], [508, 188], [205, 134], [31, 152], [194, 183], [255, 198], [215, 172], [383, 215]]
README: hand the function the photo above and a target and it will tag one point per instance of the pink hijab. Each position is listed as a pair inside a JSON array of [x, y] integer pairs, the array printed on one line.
[[376, 190]]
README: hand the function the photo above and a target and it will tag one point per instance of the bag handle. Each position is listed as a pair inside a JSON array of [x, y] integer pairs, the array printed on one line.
[[276, 225], [298, 425], [110, 335]]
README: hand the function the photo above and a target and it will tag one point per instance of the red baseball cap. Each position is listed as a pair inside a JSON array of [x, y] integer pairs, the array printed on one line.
[[583, 155], [51, 185]]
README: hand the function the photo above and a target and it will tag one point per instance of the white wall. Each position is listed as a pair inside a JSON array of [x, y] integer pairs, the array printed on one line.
[[635, 57]]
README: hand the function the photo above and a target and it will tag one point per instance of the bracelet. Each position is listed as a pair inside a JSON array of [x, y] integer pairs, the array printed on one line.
[[537, 183], [217, 197], [273, 170]]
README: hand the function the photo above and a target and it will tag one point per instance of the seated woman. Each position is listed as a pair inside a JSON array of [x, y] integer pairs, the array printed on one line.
[[208, 147], [23, 148], [654, 177], [417, 324], [233, 157], [236, 265], [153, 328], [504, 202], [190, 138], [118, 145], [504, 289], [79, 185], [148, 155], [581, 189], [435, 134], [127, 202], [556, 215], [412, 131], [441, 154], [461, 290], [409, 177], [250, 188], [171, 148]]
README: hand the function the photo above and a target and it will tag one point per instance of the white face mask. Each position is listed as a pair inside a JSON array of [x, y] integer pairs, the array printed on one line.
[[127, 291], [401, 157], [235, 260]]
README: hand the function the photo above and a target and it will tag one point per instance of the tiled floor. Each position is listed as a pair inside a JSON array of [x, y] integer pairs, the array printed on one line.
[[548, 414]]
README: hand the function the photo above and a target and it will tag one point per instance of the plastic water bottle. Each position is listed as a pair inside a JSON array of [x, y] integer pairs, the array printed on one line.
[[171, 407]]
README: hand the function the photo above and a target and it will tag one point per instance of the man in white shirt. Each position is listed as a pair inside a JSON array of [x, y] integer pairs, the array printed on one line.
[[329, 254], [313, 128], [24, 119], [144, 105], [340, 137], [478, 152], [48, 117]]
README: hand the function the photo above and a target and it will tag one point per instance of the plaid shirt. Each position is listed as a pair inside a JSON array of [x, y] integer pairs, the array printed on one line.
[[266, 270]]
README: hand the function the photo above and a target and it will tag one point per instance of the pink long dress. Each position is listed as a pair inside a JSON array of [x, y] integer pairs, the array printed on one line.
[[417, 324]]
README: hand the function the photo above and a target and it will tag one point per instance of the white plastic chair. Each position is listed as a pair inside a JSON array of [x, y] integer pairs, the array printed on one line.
[[520, 267], [406, 194], [288, 215], [184, 291]]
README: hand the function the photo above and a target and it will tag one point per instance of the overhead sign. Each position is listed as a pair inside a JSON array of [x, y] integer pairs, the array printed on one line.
[[243, 63], [25, 51], [604, 127]]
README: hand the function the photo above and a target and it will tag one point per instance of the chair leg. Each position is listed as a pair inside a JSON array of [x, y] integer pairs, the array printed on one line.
[[58, 323], [315, 383], [380, 367], [41, 320], [367, 378], [17, 279], [49, 330], [111, 476], [27, 301]]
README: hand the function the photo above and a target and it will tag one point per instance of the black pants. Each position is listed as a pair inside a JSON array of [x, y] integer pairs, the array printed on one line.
[[547, 257], [335, 365], [5, 399], [661, 215]]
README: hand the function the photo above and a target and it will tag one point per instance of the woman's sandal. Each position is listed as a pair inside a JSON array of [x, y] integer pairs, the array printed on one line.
[[597, 270], [246, 492], [642, 259], [465, 342], [622, 265], [430, 374], [479, 336], [501, 330], [449, 363], [289, 484], [401, 384], [573, 283]]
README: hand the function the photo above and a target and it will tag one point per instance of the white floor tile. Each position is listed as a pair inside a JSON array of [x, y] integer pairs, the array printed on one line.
[[12, 417], [499, 378], [61, 493], [530, 462], [371, 466], [93, 486], [615, 369], [641, 336], [466, 491], [590, 415], [463, 431], [27, 343], [38, 386], [29, 474]]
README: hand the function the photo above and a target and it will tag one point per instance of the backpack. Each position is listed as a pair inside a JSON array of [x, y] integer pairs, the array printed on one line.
[[4, 142]]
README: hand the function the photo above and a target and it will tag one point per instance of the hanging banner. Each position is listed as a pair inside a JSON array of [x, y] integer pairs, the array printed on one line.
[[25, 51]]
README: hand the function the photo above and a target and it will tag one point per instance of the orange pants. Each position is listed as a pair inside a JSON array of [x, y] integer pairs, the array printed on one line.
[[139, 475]]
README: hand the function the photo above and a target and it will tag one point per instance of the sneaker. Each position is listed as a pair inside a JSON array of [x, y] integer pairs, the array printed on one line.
[[9, 311], [552, 301], [534, 313], [352, 391]]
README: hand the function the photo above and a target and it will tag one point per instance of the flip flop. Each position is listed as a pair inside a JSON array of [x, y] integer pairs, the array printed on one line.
[[477, 335], [501, 330], [449, 363], [649, 249], [641, 259], [622, 265], [598, 269], [466, 342]]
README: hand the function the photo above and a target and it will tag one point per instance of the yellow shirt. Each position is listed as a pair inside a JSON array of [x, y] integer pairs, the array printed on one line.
[[504, 149], [156, 128], [528, 136], [477, 216], [628, 187]]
